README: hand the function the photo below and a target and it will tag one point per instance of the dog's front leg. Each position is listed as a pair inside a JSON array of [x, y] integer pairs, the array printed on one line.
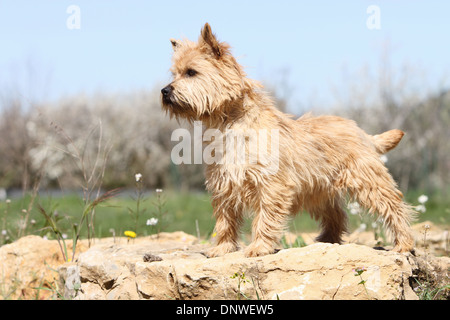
[[228, 222], [267, 227]]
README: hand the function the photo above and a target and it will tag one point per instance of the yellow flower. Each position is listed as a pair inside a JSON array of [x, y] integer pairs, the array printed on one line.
[[130, 234], [214, 235]]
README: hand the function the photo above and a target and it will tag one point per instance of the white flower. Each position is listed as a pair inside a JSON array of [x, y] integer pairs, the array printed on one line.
[[159, 190], [384, 158], [362, 227], [422, 199], [4, 232], [64, 236], [421, 208], [354, 208], [138, 177], [152, 221]]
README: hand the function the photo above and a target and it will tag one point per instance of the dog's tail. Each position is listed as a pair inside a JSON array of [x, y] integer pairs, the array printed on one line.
[[387, 140]]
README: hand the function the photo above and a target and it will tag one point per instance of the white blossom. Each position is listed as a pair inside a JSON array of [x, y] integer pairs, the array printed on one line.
[[422, 199], [421, 208], [152, 221], [354, 208], [362, 227]]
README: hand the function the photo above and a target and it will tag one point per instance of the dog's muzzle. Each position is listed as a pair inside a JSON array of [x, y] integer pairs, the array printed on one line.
[[167, 94]]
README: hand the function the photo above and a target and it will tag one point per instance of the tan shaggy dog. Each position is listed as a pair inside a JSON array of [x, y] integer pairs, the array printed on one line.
[[321, 161]]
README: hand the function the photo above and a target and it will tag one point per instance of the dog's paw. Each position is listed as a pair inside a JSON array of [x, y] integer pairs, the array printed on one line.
[[403, 249], [221, 250], [258, 250], [404, 244]]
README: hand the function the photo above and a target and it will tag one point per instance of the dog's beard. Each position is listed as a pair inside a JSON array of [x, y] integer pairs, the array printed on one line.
[[194, 108], [178, 109]]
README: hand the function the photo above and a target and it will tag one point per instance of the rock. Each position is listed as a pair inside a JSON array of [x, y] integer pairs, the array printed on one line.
[[428, 237], [317, 271], [29, 265], [431, 238], [174, 266]]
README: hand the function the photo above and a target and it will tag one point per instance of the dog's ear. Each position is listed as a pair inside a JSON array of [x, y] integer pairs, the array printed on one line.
[[175, 44], [209, 39]]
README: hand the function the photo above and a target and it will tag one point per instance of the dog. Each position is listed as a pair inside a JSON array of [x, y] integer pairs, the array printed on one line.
[[322, 161]]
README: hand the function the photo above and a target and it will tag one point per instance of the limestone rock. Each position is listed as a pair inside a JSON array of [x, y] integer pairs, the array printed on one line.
[[174, 266], [28, 265], [317, 271], [430, 237]]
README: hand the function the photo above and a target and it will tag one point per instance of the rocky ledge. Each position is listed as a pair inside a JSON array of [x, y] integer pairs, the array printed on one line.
[[174, 266], [180, 270]]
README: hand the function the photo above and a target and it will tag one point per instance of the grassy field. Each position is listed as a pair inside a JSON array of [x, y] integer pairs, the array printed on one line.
[[188, 212]]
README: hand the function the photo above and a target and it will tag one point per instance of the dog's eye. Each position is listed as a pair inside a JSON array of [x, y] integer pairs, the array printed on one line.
[[191, 72]]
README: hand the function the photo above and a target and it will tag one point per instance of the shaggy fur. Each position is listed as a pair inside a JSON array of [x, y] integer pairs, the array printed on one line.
[[322, 161]]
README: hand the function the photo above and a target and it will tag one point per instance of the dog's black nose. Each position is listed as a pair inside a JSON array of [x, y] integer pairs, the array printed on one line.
[[167, 90]]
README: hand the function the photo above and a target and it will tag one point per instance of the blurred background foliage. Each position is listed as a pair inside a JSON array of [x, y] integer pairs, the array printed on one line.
[[53, 143]]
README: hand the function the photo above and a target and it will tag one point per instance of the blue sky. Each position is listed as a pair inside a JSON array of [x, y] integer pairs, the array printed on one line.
[[123, 46]]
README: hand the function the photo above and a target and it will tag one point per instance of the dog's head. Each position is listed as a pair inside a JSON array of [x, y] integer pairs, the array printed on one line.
[[207, 80]]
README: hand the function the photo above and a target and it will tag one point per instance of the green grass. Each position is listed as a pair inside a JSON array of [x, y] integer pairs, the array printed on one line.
[[183, 212]]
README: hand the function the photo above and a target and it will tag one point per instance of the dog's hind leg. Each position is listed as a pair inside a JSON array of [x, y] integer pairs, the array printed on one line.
[[373, 187], [333, 221]]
